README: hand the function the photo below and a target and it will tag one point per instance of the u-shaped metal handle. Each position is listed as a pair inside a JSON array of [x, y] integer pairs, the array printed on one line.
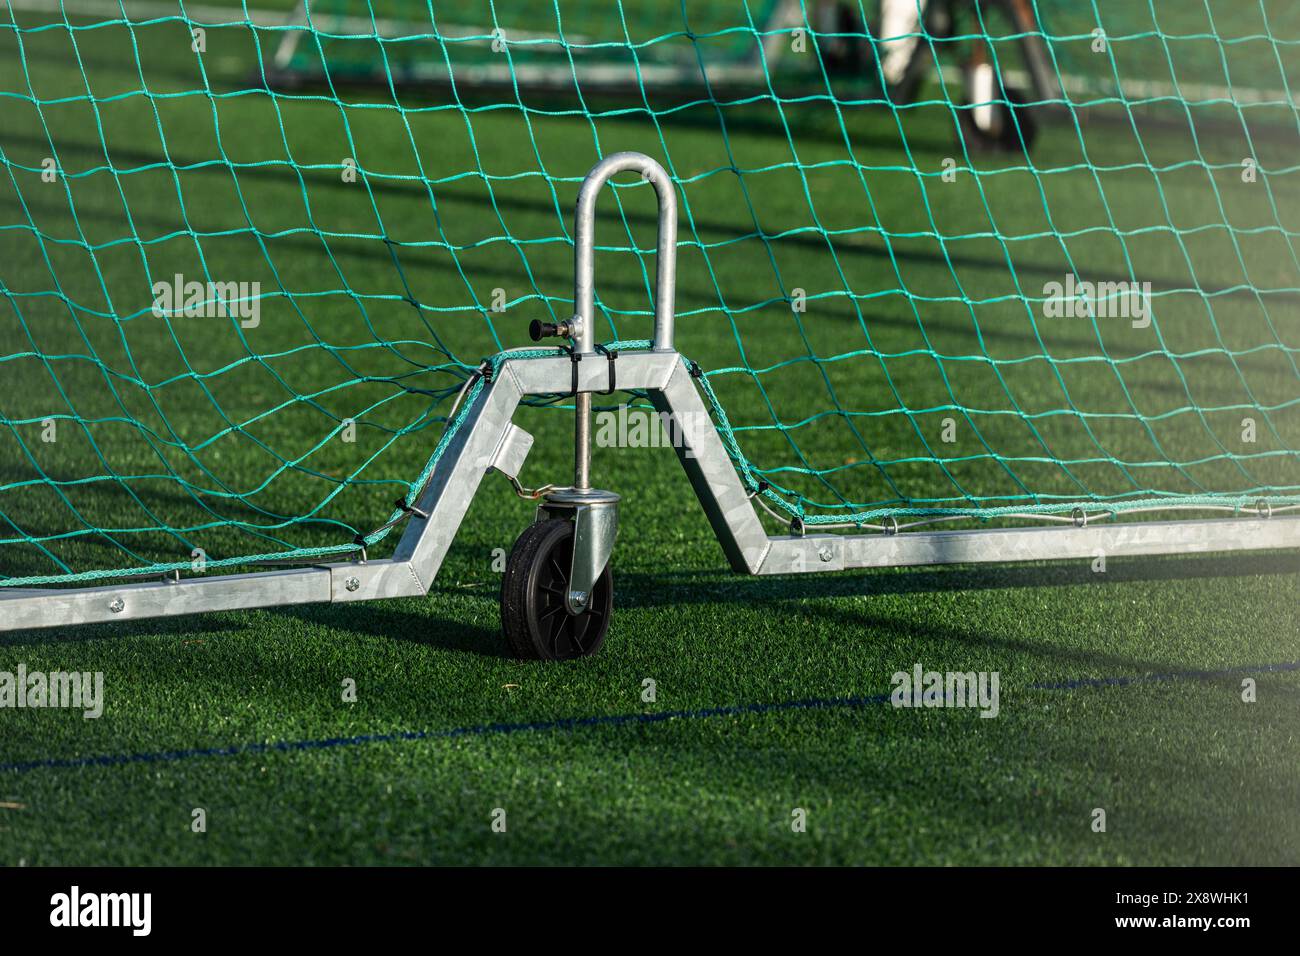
[[584, 291]]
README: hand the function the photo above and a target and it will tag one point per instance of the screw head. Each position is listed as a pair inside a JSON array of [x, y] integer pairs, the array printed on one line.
[[825, 553], [352, 584], [117, 605]]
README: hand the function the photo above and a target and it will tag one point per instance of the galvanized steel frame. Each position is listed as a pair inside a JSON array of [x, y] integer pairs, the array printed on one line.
[[665, 377]]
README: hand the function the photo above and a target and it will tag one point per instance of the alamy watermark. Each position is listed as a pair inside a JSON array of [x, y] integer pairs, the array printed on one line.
[[631, 427], [82, 691], [977, 690], [1078, 299], [75, 908], [209, 300]]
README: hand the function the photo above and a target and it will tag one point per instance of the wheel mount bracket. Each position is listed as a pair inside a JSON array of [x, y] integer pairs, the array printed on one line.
[[595, 525]]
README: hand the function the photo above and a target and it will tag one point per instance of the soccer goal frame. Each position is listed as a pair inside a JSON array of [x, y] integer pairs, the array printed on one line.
[[487, 440]]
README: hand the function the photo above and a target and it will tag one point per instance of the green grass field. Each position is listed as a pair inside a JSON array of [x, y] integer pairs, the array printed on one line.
[[1120, 690]]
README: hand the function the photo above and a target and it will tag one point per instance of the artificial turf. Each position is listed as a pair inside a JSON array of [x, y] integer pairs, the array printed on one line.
[[766, 689]]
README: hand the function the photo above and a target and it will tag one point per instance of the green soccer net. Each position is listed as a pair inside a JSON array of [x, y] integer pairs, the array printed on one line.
[[969, 269]]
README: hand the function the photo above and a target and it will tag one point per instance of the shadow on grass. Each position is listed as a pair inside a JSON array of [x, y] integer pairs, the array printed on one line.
[[427, 623], [190, 627], [400, 622], [1015, 790], [642, 589], [387, 620]]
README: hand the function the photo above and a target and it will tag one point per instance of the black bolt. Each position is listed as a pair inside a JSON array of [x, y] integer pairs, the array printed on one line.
[[538, 330]]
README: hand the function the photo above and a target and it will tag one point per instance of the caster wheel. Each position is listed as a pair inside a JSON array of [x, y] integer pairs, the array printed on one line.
[[533, 616], [1002, 135]]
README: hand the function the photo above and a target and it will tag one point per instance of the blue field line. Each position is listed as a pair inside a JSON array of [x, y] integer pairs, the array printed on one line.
[[574, 723]]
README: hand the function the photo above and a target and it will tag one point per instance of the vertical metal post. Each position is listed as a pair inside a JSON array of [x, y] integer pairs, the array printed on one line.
[[582, 442], [584, 289]]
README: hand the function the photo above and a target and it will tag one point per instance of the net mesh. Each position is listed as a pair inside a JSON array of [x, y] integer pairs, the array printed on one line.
[[936, 260]]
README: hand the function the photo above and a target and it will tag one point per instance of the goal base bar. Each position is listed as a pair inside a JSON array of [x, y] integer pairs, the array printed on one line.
[[827, 552], [664, 376]]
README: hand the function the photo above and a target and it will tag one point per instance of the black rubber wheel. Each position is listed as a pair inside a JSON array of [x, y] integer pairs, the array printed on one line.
[[1005, 137], [533, 616], [842, 41]]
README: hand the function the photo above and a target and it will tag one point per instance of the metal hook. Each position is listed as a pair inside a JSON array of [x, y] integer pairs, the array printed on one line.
[[583, 326], [585, 245]]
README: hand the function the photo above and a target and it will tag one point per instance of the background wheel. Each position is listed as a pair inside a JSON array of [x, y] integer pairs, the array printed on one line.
[[902, 71], [533, 616], [842, 44], [1003, 134]]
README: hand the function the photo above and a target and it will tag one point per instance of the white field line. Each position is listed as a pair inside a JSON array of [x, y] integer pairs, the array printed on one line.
[[1075, 85], [205, 15]]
